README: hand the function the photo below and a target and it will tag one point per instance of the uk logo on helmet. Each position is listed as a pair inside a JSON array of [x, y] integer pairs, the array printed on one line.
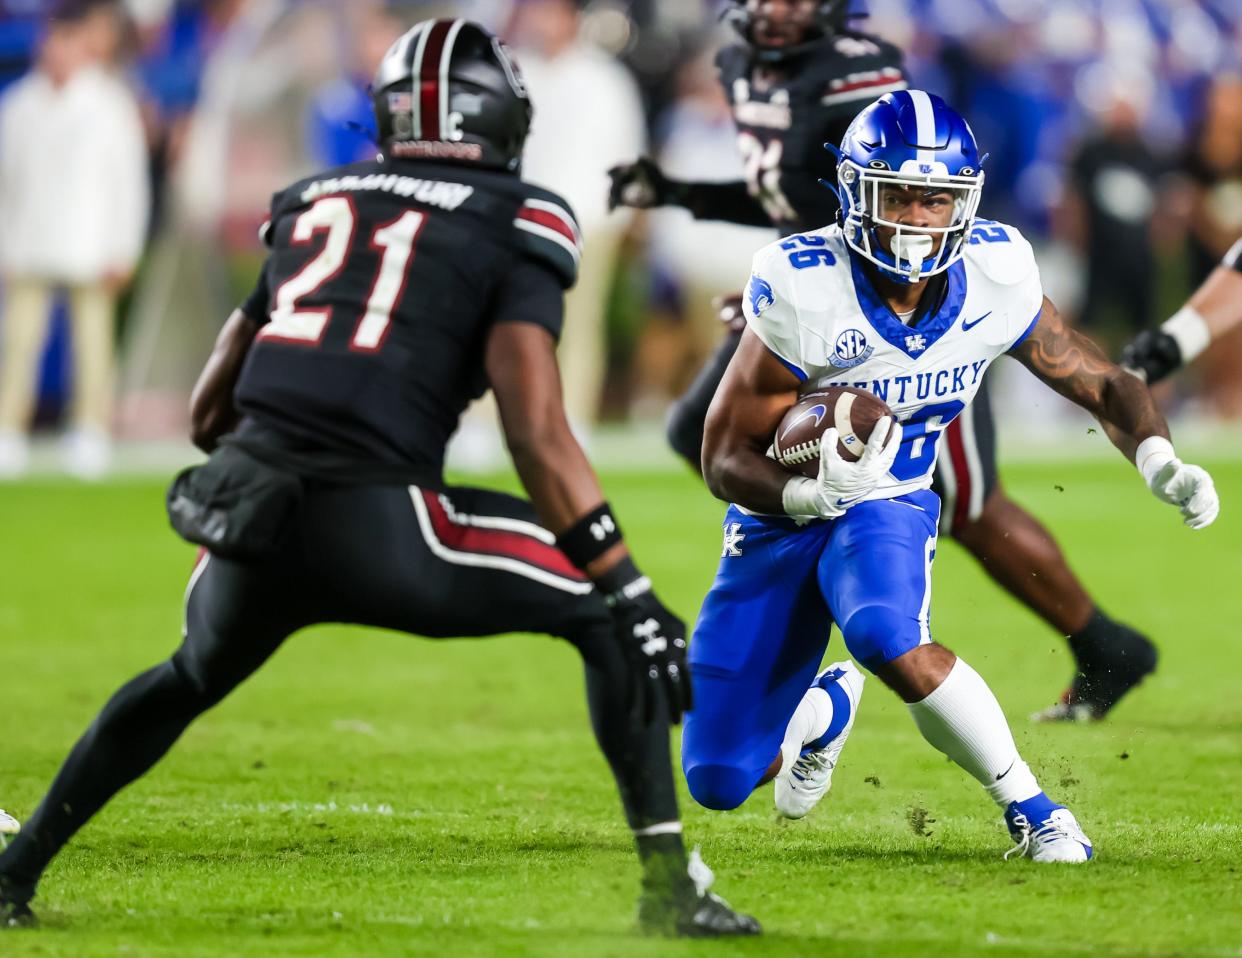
[[851, 349]]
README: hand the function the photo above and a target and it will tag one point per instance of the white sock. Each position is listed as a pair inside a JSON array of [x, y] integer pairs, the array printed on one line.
[[810, 720], [963, 719]]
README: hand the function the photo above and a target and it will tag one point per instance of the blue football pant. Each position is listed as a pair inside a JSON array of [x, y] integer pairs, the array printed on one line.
[[764, 626]]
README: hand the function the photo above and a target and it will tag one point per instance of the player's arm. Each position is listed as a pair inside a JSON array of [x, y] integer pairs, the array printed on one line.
[[1075, 367], [1213, 309], [212, 413], [520, 359], [642, 185], [754, 394]]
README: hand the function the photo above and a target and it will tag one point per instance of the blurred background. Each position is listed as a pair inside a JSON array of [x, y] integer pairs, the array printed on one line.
[[1114, 129]]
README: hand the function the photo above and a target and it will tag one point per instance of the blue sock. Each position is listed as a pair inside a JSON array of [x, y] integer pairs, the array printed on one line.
[[1036, 808]]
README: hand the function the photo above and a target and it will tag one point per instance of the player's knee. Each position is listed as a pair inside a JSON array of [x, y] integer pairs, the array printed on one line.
[[876, 634], [720, 787], [685, 432]]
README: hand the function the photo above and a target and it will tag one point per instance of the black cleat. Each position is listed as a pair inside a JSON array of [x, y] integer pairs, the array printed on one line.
[[689, 910], [15, 905], [1105, 674]]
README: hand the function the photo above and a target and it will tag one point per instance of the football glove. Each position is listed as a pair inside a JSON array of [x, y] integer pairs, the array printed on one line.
[[640, 185], [653, 641], [840, 483], [1153, 354], [1190, 488]]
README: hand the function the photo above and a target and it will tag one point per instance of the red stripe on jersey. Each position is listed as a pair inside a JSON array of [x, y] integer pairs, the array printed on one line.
[[498, 542], [553, 221], [957, 453], [429, 80], [888, 80]]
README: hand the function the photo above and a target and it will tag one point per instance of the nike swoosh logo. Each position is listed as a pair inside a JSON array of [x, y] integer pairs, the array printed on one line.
[[1015, 761], [846, 502], [817, 411], [969, 326]]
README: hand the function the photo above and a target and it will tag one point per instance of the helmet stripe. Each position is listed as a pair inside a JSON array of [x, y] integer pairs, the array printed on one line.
[[446, 59], [416, 110], [429, 79], [925, 125]]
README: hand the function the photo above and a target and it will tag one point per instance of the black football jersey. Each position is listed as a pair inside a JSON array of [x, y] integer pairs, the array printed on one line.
[[785, 115], [376, 299]]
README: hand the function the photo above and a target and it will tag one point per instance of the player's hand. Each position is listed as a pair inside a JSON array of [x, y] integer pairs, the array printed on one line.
[[842, 483], [653, 640], [1190, 488], [729, 311], [640, 185], [1153, 354]]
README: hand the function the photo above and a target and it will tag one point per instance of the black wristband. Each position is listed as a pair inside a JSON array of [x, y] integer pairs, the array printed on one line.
[[590, 537], [622, 583]]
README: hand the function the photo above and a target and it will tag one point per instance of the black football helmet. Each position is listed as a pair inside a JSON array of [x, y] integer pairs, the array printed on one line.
[[449, 90], [830, 18]]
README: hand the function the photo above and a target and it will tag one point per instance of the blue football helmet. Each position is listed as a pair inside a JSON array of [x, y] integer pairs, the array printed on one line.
[[908, 139]]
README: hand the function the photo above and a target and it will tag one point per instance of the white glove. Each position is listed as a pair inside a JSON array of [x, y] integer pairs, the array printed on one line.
[[1189, 488], [841, 484]]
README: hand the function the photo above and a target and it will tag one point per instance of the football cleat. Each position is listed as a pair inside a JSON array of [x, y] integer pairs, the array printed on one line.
[[691, 910], [1050, 835], [1103, 679], [8, 826], [803, 785], [15, 905]]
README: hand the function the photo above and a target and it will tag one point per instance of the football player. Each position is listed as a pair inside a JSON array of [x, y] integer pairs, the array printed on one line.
[[394, 293], [912, 298], [1213, 309], [795, 81]]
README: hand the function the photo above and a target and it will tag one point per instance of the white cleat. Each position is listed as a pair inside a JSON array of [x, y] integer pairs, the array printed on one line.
[[8, 826], [1056, 838], [14, 455], [803, 785]]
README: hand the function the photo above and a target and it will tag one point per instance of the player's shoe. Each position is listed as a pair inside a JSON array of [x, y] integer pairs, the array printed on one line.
[[1104, 676], [800, 788], [8, 826], [1046, 832], [15, 904], [690, 910]]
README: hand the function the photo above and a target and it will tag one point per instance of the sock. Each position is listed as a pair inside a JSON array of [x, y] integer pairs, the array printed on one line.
[[819, 718], [963, 720], [1094, 638]]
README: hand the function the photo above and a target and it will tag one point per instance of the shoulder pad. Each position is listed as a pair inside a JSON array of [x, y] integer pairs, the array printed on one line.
[[1000, 252], [545, 229]]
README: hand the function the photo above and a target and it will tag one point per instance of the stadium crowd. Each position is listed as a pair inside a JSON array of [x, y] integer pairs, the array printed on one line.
[[1114, 128]]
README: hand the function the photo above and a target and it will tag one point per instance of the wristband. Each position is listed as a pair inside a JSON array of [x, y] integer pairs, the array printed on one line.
[[622, 583], [1189, 330], [590, 537], [798, 497], [1152, 455]]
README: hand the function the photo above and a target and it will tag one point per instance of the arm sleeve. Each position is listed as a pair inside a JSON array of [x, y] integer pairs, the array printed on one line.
[[530, 292], [730, 202], [256, 304]]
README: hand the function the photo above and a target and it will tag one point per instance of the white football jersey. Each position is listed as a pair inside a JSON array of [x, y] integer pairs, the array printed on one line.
[[812, 305]]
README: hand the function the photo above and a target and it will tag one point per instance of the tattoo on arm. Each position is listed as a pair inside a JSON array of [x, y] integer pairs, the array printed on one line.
[[1074, 366]]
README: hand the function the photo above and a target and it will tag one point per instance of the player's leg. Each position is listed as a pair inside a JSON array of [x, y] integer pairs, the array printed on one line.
[[686, 418], [446, 552], [1021, 555], [92, 308], [24, 326], [876, 576], [236, 616], [759, 639]]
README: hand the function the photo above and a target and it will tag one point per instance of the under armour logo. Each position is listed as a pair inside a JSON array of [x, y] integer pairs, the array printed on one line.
[[604, 527], [731, 539], [653, 641], [916, 343]]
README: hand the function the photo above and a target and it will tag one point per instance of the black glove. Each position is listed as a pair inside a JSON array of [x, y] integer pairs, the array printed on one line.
[[641, 185], [1154, 353], [653, 641]]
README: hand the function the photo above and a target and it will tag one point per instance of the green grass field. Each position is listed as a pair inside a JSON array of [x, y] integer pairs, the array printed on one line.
[[373, 794]]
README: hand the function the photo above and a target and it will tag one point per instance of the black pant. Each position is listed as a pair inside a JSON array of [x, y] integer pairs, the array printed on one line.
[[457, 562]]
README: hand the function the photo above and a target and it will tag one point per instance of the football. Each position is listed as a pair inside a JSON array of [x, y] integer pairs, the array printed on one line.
[[853, 411]]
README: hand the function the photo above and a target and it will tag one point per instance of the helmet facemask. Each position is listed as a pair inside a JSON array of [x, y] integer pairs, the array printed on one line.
[[911, 255]]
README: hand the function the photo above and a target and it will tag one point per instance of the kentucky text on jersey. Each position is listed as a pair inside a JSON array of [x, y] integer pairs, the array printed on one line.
[[938, 384], [447, 196]]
